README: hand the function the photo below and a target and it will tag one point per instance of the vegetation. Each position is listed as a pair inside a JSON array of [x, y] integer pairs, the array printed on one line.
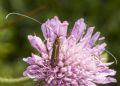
[[103, 14]]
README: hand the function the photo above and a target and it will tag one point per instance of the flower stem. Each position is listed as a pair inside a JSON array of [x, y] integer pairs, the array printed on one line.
[[14, 80]]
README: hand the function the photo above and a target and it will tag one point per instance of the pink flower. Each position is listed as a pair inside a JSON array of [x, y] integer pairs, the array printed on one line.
[[68, 61]]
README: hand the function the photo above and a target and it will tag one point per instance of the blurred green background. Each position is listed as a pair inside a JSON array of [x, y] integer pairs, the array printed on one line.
[[103, 14]]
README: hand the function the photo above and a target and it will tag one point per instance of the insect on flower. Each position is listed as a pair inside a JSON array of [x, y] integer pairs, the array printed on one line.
[[68, 61], [55, 52]]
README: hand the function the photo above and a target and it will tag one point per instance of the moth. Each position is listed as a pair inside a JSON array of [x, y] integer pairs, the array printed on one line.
[[55, 52]]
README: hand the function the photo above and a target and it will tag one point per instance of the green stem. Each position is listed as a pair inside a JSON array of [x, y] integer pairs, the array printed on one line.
[[14, 80]]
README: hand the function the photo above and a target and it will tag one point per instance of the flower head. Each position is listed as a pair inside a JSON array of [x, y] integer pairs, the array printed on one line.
[[74, 60]]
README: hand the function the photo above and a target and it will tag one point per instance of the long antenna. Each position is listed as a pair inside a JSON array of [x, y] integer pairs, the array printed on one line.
[[112, 55], [23, 16]]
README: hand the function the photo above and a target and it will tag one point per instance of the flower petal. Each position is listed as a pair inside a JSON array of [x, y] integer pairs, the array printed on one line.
[[37, 43], [78, 29]]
